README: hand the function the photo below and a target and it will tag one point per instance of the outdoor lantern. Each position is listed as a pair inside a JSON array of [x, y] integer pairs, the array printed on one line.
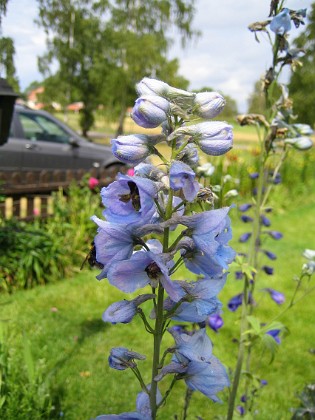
[[7, 100]]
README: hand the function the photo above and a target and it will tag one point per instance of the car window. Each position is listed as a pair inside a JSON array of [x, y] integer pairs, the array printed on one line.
[[38, 127]]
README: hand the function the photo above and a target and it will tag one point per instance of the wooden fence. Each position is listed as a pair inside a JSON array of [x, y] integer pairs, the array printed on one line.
[[27, 194]]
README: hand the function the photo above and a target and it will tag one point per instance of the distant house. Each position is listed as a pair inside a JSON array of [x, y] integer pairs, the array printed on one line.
[[32, 98], [75, 106]]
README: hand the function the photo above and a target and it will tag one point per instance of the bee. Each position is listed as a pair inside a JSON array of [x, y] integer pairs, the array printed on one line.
[[133, 196], [91, 258]]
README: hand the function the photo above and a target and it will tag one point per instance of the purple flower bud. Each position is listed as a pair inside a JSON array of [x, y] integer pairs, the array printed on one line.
[[245, 207], [270, 255], [254, 175], [235, 302], [264, 382], [265, 221], [215, 322], [275, 334], [268, 270], [238, 275], [281, 23], [246, 219], [121, 358], [241, 410], [208, 104], [245, 237], [243, 398], [150, 111], [274, 234], [278, 297]]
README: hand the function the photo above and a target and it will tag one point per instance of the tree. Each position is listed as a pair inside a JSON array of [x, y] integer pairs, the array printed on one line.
[[256, 101], [7, 52], [302, 82], [104, 47]]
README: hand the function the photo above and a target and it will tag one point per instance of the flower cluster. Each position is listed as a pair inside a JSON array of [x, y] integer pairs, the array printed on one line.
[[152, 226]]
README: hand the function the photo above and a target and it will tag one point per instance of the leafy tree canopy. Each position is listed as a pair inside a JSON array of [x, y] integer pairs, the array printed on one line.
[[104, 47], [302, 82]]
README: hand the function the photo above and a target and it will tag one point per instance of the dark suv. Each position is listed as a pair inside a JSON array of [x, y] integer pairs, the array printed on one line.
[[38, 141]]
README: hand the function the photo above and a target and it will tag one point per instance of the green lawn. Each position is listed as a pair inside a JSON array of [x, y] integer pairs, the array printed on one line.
[[63, 323]]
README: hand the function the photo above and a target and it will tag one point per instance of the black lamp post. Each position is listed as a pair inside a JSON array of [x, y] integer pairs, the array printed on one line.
[[7, 100]]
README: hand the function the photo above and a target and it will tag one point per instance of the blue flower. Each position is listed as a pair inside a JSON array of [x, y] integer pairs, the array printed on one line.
[[150, 111], [192, 347], [146, 268], [115, 242], [210, 232], [278, 297], [198, 299], [121, 358], [235, 302], [199, 261], [143, 408], [124, 310], [129, 199], [134, 148], [281, 23], [208, 104], [183, 177], [215, 322], [209, 378]]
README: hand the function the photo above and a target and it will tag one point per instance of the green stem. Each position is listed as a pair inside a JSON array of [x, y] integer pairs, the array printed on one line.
[[241, 352], [159, 320]]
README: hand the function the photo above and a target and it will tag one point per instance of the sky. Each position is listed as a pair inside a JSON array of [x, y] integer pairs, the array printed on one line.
[[225, 57]]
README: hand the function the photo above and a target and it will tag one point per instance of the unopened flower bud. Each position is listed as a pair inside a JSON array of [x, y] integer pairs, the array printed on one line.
[[300, 143], [213, 137], [180, 97], [208, 104], [150, 111], [134, 148]]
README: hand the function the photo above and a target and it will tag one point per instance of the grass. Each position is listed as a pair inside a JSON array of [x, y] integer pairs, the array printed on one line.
[[63, 323]]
